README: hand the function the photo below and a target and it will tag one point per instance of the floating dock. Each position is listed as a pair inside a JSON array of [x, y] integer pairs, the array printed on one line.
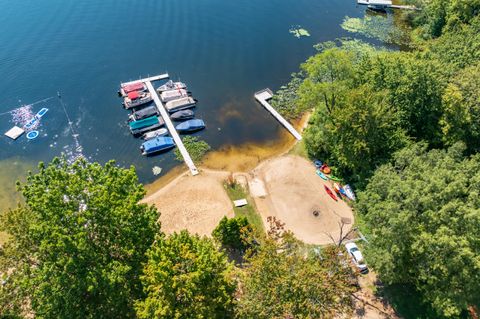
[[262, 97], [171, 128], [149, 79]]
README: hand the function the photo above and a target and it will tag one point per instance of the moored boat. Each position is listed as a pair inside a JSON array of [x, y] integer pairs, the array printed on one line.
[[136, 86], [170, 85], [190, 126], [157, 144], [182, 115], [156, 133], [144, 113], [180, 104], [171, 95], [145, 125], [136, 98]]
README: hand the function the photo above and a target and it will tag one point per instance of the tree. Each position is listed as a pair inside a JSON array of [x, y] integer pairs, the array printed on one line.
[[422, 212], [77, 245], [461, 118], [234, 233], [281, 281], [359, 135], [186, 277]]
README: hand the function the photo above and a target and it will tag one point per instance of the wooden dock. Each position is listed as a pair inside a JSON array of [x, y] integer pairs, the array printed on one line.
[[171, 128], [149, 79], [262, 97], [384, 4]]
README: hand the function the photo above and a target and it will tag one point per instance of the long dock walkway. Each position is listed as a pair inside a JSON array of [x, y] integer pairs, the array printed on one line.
[[150, 79], [262, 97], [173, 132]]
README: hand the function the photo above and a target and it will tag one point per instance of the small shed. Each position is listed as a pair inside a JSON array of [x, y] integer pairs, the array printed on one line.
[[240, 202]]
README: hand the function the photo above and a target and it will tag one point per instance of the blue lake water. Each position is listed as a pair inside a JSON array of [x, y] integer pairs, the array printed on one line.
[[224, 50]]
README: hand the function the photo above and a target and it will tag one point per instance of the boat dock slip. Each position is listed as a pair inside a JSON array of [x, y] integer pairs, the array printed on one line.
[[384, 4], [170, 126], [262, 97], [150, 79]]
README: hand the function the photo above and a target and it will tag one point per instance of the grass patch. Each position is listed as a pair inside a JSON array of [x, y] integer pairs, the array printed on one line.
[[235, 191]]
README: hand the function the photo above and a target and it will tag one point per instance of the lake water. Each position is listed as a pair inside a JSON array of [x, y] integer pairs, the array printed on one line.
[[224, 50]]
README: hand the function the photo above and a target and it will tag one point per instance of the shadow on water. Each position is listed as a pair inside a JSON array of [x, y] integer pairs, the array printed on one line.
[[13, 169]]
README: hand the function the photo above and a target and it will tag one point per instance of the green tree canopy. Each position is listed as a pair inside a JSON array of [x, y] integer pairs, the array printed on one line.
[[235, 233], [77, 245], [360, 134], [186, 277], [423, 212], [461, 119], [281, 281]]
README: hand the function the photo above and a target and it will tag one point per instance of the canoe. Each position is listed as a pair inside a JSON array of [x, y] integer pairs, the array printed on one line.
[[330, 193], [190, 126], [349, 192], [182, 115], [157, 144], [152, 134], [323, 176]]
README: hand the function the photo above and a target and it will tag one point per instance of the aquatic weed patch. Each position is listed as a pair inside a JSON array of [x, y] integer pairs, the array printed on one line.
[[195, 147], [376, 27]]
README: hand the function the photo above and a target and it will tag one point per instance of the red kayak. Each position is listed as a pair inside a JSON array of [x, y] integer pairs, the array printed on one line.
[[329, 192]]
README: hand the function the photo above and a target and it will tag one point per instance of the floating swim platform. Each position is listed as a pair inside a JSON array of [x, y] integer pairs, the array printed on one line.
[[15, 132], [41, 112], [32, 135]]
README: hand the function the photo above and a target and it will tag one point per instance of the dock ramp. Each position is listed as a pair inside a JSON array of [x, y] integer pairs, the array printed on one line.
[[262, 97]]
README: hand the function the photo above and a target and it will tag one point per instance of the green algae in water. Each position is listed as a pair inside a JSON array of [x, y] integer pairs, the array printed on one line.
[[299, 32], [377, 27]]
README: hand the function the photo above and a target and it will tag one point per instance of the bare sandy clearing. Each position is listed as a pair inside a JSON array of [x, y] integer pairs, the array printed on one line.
[[294, 192], [193, 203]]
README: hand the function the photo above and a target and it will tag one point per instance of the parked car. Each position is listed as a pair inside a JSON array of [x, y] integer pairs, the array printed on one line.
[[357, 257]]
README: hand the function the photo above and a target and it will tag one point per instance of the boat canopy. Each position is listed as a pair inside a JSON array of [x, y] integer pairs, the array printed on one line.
[[137, 86], [158, 144], [133, 95], [149, 121]]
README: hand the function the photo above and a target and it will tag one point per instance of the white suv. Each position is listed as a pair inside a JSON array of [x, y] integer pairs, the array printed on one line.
[[357, 257]]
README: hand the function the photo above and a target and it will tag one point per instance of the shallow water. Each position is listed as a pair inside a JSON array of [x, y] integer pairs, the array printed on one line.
[[224, 51]]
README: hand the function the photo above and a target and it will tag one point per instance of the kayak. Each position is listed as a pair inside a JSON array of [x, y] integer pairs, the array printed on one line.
[[336, 188], [342, 192], [323, 176], [324, 168], [349, 192], [317, 163], [334, 178], [329, 192]]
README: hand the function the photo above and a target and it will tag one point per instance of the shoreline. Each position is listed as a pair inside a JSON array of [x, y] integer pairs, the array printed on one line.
[[235, 159]]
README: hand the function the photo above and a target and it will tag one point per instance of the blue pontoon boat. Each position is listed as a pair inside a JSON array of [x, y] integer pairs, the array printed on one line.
[[157, 144], [190, 126]]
